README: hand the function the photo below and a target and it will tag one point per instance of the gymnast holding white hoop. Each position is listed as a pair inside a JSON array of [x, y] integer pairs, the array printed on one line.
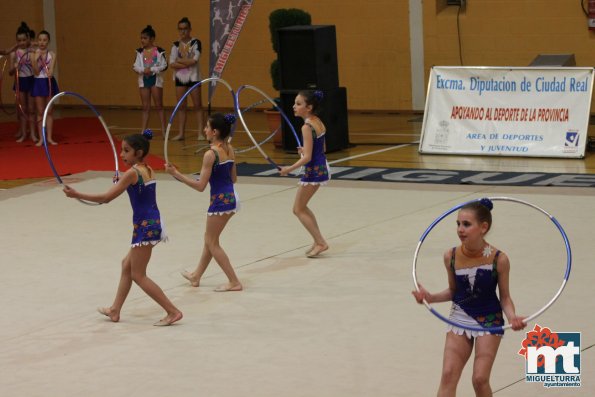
[[475, 268]]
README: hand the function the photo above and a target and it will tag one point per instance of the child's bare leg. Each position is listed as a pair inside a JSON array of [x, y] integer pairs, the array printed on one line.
[[113, 312], [31, 117], [195, 276], [41, 103], [215, 225], [39, 106], [180, 91], [157, 94], [21, 108], [50, 128], [139, 259], [317, 247], [197, 101], [307, 218], [145, 97]]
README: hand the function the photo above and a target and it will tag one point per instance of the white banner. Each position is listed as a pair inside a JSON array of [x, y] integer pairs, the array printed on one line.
[[507, 111]]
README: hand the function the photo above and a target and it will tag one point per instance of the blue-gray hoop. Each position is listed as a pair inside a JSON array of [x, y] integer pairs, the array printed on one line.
[[268, 98], [527, 319], [183, 98], [45, 143], [265, 140]]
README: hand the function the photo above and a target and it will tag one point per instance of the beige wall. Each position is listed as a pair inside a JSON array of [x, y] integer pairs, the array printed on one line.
[[96, 42], [507, 32]]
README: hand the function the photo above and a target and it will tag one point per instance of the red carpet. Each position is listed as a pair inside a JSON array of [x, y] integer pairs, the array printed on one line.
[[82, 146]]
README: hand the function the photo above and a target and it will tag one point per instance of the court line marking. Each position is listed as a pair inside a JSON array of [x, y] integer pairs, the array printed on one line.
[[372, 152], [330, 162], [115, 127]]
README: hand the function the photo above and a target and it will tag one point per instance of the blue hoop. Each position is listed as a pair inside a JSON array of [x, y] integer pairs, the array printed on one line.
[[45, 144], [256, 144], [195, 86], [526, 320]]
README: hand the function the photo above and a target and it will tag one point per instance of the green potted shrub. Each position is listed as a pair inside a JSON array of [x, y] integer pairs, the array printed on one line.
[[281, 18]]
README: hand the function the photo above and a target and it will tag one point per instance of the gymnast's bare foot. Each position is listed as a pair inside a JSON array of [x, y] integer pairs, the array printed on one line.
[[317, 250], [190, 277], [169, 319], [179, 137], [229, 287], [109, 312], [52, 142]]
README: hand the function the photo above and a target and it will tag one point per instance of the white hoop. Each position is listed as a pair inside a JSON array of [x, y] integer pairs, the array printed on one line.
[[181, 101], [527, 319], [45, 144], [256, 144]]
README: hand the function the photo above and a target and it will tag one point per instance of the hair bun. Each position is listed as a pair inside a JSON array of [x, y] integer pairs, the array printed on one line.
[[318, 95], [148, 134], [230, 118], [486, 202]]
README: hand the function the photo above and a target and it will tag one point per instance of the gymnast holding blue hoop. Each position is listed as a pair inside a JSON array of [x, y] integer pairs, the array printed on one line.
[[219, 171], [316, 168], [475, 268], [140, 184]]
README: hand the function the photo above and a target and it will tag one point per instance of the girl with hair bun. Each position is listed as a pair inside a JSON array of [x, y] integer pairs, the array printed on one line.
[[475, 269], [140, 184], [21, 66], [22, 28], [184, 60], [218, 170], [150, 62], [316, 168]]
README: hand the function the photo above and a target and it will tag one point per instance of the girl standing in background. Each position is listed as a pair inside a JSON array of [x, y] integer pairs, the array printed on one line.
[[44, 84], [184, 60], [150, 62]]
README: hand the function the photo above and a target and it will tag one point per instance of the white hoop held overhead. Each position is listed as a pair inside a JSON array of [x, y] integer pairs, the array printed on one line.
[[527, 319], [181, 101], [239, 112], [45, 144]]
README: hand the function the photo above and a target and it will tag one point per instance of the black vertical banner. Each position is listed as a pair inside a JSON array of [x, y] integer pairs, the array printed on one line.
[[227, 19]]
